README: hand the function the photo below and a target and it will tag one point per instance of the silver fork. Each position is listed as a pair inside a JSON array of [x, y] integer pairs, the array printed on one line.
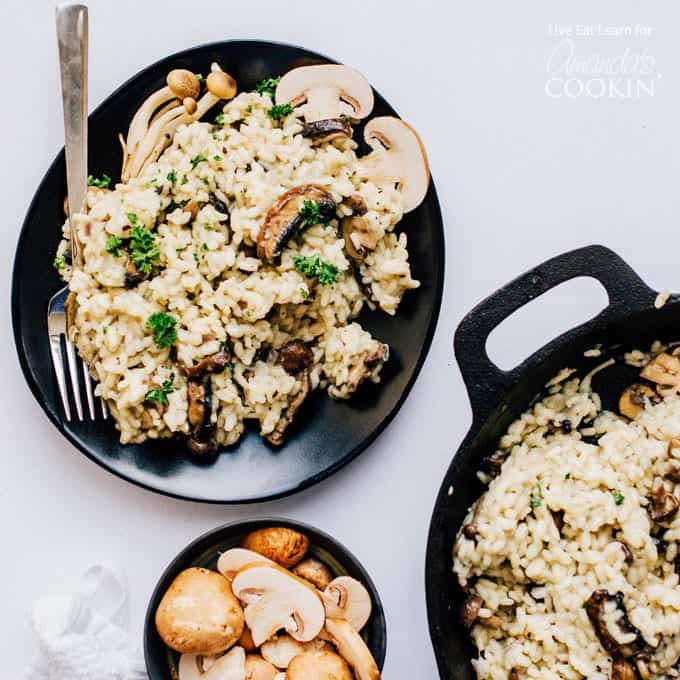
[[72, 34]]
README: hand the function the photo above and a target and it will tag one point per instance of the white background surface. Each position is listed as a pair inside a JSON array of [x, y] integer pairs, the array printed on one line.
[[521, 176]]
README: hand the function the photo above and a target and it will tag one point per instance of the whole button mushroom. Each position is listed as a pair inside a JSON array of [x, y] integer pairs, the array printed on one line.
[[314, 571], [282, 545], [221, 84], [319, 665], [199, 614]]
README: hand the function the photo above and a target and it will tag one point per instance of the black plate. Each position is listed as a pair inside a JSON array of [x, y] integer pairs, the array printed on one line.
[[330, 433], [498, 397], [204, 552]]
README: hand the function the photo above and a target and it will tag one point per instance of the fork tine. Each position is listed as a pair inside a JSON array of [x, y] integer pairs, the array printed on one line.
[[72, 369], [58, 364], [88, 391]]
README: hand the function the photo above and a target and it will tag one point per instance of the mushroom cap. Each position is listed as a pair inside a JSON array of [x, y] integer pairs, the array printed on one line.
[[275, 599], [199, 614], [282, 545], [346, 598], [221, 84], [320, 665], [353, 649], [231, 666], [398, 156], [259, 669], [183, 83], [314, 571], [234, 559], [329, 90]]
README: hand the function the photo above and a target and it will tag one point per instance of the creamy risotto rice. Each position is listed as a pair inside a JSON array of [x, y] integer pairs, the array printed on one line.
[[570, 560], [207, 296]]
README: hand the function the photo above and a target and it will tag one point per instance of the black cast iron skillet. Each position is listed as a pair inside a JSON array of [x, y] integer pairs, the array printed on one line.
[[161, 662], [328, 434], [498, 397]]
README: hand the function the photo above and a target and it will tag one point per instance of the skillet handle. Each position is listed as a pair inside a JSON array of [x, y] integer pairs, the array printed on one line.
[[485, 382]]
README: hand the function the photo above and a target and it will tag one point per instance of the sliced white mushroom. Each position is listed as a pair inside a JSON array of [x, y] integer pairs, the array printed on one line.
[[346, 598], [258, 668], [274, 599], [281, 649], [352, 649], [231, 666], [326, 96], [398, 158], [234, 559]]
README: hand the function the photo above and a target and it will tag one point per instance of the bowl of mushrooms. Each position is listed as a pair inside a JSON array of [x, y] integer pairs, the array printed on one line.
[[266, 599]]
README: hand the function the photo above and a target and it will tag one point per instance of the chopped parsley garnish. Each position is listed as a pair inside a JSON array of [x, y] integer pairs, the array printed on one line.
[[196, 257], [311, 213], [304, 292], [268, 86], [314, 266], [59, 262], [200, 78], [180, 250], [279, 111], [231, 365], [160, 394], [172, 177], [217, 158], [536, 498], [204, 246], [113, 244], [143, 249], [184, 180], [219, 119], [164, 329], [618, 497], [102, 183], [132, 219], [205, 180], [198, 159], [249, 108]]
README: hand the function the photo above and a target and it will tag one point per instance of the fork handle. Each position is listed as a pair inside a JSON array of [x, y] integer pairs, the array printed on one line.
[[72, 36]]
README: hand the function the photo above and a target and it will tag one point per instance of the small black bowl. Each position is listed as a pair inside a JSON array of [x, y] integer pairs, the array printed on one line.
[[161, 662]]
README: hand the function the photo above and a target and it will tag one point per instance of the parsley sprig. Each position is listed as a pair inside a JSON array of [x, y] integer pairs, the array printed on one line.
[[102, 183], [618, 497], [143, 249], [536, 498], [310, 212], [219, 119], [279, 111], [164, 328], [268, 86], [113, 244], [59, 263], [160, 394], [198, 159], [314, 267]]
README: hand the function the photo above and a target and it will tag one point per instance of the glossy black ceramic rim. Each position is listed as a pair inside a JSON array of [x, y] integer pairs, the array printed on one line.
[[438, 283], [153, 645]]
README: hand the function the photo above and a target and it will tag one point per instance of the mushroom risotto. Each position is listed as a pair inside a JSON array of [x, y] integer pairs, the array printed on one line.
[[570, 560], [219, 281]]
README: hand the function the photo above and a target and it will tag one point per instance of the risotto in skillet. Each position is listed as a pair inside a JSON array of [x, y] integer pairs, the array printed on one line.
[[219, 281]]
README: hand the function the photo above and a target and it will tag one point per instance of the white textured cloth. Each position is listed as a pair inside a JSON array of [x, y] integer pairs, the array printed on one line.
[[78, 634]]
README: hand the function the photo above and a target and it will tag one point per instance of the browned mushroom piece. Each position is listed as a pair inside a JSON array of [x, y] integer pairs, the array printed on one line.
[[493, 463], [622, 670], [362, 370], [673, 474], [295, 356], [634, 398], [664, 504], [215, 363], [284, 219], [277, 436], [470, 611], [606, 611], [627, 553], [325, 130], [664, 370], [133, 277], [558, 518], [513, 675], [199, 415]]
